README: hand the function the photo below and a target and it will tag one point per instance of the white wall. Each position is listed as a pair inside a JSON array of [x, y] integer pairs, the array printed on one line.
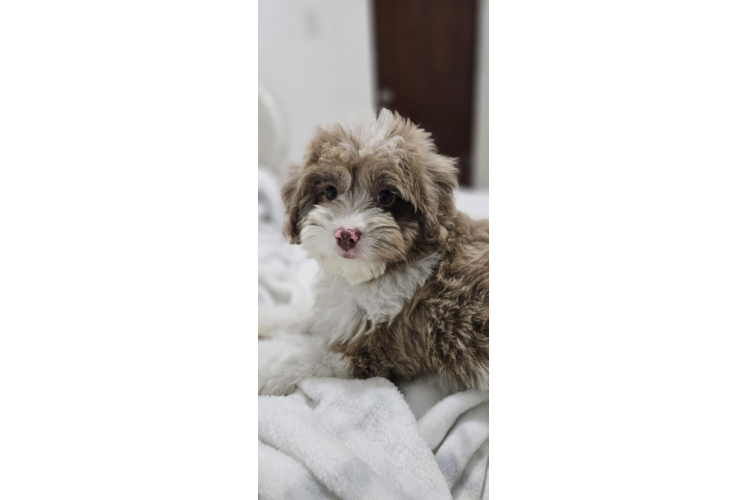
[[480, 127], [316, 57]]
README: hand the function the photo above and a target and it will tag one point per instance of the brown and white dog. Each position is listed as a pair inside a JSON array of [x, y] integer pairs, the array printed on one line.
[[403, 292]]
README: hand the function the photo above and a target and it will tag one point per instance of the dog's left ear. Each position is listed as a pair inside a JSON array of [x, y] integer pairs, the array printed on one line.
[[291, 194], [436, 175]]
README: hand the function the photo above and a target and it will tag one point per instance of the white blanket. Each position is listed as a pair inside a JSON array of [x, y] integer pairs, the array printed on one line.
[[359, 439], [455, 428]]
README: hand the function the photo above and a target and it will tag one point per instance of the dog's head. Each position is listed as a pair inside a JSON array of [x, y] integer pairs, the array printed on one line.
[[369, 195]]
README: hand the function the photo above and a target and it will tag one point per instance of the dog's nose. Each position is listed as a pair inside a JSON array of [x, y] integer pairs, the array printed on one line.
[[347, 238]]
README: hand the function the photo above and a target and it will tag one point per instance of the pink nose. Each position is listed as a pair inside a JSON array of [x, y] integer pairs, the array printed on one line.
[[347, 238]]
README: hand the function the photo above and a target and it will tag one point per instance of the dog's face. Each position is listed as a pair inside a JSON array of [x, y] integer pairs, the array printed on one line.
[[369, 196]]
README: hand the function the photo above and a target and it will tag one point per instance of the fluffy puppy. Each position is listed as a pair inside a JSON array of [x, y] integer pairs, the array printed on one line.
[[404, 286]]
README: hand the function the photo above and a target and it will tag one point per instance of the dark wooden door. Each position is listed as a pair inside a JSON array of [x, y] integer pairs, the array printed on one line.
[[426, 69]]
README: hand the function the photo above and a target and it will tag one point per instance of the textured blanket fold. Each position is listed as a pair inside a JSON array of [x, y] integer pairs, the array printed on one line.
[[455, 427], [359, 439]]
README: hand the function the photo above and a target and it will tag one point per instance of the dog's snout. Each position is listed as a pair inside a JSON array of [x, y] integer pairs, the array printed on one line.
[[347, 238]]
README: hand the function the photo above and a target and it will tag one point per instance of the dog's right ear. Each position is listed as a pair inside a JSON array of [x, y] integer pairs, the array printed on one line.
[[291, 194]]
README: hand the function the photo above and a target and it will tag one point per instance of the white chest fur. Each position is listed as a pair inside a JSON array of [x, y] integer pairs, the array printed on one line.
[[343, 310]]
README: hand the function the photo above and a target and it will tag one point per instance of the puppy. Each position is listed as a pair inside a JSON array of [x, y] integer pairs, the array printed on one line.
[[403, 292]]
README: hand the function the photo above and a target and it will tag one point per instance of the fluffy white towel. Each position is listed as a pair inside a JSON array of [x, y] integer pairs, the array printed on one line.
[[455, 428], [358, 439]]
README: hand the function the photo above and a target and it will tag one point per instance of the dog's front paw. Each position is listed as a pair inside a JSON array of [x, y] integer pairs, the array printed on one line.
[[275, 386]]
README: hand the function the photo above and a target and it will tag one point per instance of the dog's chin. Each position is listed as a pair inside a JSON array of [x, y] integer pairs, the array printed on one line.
[[353, 268]]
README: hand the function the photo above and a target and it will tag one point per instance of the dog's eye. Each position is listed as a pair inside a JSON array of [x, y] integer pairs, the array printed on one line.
[[331, 192], [385, 198]]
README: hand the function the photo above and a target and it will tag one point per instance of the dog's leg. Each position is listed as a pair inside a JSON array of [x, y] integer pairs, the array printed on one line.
[[288, 358]]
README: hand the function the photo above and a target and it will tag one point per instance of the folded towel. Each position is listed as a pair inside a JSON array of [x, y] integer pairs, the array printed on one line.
[[455, 428], [358, 439]]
